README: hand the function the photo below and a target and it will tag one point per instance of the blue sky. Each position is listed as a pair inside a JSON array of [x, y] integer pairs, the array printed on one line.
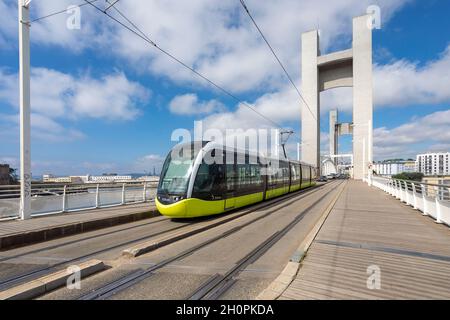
[[104, 101]]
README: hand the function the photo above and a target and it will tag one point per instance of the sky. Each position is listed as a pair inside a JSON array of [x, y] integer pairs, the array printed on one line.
[[104, 100]]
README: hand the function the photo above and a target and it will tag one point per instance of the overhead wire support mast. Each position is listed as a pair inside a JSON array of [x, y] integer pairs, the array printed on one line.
[[276, 56], [25, 112], [138, 32]]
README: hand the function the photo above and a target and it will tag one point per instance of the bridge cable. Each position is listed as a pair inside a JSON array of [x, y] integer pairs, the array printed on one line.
[[143, 36]]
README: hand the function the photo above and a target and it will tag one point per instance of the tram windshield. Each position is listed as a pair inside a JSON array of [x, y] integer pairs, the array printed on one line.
[[177, 170]]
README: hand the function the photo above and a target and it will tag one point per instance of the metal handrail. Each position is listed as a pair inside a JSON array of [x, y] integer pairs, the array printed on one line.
[[87, 184], [431, 198], [414, 181], [69, 197]]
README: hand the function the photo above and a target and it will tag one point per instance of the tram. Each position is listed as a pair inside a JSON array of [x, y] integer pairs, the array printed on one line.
[[206, 178]]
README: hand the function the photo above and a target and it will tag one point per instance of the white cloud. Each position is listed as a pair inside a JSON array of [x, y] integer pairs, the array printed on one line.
[[53, 30], [215, 37], [145, 164], [279, 106], [404, 83], [400, 83], [111, 97], [8, 27], [42, 128], [219, 40], [45, 128], [56, 96], [396, 84], [428, 133], [189, 104]]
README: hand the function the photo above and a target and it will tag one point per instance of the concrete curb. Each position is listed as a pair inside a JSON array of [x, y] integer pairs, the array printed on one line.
[[15, 240], [49, 282], [151, 245], [282, 282]]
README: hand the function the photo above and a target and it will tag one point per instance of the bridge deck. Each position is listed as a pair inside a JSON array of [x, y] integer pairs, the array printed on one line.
[[16, 232], [370, 228]]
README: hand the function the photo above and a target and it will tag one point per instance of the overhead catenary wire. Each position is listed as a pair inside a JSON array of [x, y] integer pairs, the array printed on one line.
[[61, 11], [111, 4], [138, 32], [276, 57]]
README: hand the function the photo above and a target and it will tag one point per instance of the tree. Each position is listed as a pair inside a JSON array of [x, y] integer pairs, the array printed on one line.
[[413, 176]]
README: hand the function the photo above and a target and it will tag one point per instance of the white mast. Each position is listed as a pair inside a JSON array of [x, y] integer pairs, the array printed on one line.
[[24, 79]]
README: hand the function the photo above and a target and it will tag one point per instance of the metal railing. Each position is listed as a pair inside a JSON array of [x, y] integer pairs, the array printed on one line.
[[431, 199], [59, 198]]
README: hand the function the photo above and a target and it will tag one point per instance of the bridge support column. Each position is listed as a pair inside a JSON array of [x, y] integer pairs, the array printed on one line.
[[310, 114], [347, 68], [362, 97]]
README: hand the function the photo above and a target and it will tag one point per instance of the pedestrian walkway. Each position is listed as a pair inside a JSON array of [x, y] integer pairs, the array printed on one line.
[[372, 246], [16, 233]]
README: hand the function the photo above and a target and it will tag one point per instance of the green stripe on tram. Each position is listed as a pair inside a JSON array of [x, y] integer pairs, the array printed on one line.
[[196, 208]]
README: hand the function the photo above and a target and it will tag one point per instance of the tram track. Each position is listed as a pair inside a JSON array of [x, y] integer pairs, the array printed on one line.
[[217, 285], [36, 273], [118, 285], [31, 275]]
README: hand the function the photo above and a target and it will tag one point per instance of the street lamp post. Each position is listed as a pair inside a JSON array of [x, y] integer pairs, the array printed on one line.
[[24, 84]]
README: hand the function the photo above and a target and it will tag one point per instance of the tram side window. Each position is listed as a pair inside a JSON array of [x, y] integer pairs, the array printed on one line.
[[280, 176], [306, 172], [231, 177], [295, 173], [284, 172], [210, 182], [248, 178]]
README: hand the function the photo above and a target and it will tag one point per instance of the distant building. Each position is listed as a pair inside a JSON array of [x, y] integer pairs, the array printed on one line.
[[105, 178], [441, 180], [48, 178], [4, 174], [433, 164], [148, 179], [393, 167], [109, 178]]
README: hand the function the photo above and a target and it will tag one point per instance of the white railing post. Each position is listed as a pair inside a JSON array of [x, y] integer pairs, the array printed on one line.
[[396, 188], [438, 205], [414, 195], [97, 196], [425, 203], [64, 199], [144, 195], [408, 197], [123, 193], [402, 193]]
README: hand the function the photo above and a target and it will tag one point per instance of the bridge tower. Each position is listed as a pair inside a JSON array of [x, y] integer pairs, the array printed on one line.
[[347, 68]]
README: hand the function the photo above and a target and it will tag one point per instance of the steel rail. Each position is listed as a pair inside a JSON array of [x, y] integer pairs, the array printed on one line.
[[217, 285], [132, 278], [31, 275], [28, 276]]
